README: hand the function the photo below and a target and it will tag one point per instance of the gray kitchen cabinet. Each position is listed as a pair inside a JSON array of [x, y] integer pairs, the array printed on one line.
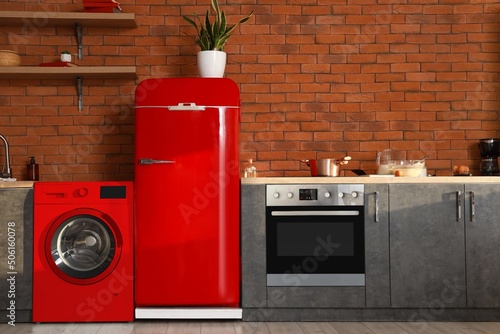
[[482, 230], [377, 245], [16, 254], [253, 246], [256, 294], [430, 250], [444, 245], [376, 293], [427, 247]]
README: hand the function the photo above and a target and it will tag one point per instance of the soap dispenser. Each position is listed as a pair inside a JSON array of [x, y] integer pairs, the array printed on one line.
[[32, 170]]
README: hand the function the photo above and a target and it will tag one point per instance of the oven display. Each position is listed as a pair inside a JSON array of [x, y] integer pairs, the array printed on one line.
[[308, 194]]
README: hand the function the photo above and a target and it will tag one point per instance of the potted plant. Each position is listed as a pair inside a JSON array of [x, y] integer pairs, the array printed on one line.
[[66, 56], [212, 36]]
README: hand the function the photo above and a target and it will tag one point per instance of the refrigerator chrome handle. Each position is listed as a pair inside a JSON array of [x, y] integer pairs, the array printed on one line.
[[148, 161], [186, 106]]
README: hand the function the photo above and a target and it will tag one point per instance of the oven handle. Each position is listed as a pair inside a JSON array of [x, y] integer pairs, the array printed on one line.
[[316, 213]]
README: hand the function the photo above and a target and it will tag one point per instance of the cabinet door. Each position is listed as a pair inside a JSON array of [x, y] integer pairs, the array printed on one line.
[[377, 245], [482, 244], [427, 246], [16, 253], [253, 246]]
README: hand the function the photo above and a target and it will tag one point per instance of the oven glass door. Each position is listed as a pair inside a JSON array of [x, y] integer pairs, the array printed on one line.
[[311, 245]]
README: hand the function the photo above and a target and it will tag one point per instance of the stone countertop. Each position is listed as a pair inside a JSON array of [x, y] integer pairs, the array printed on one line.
[[16, 184], [372, 180]]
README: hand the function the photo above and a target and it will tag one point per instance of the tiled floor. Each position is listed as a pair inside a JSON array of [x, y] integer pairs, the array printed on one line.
[[238, 327]]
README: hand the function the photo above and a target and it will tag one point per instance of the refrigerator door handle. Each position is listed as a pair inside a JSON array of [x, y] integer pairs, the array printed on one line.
[[149, 161], [186, 106]]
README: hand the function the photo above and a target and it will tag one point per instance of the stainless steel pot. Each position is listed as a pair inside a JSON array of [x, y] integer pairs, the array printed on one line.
[[326, 167]]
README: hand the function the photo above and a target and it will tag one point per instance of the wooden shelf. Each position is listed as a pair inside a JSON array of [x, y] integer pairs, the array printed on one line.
[[40, 19], [76, 20], [77, 73], [84, 72]]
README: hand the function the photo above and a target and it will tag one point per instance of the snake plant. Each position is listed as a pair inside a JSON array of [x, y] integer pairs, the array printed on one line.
[[213, 36]]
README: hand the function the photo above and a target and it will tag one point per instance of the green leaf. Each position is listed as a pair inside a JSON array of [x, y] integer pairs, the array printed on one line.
[[213, 36]]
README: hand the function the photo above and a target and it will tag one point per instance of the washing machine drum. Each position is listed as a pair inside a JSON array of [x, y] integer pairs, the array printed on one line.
[[82, 247]]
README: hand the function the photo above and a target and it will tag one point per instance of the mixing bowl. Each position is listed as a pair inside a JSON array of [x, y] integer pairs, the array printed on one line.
[[406, 167]]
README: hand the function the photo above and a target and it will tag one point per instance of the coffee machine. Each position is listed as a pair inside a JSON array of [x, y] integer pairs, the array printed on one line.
[[490, 150]]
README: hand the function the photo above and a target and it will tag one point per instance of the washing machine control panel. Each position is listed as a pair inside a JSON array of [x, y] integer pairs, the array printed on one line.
[[88, 192], [82, 192]]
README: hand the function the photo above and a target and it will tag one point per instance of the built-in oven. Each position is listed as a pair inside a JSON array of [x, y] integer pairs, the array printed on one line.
[[315, 235]]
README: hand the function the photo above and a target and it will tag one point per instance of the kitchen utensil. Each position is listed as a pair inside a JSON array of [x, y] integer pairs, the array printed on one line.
[[423, 159], [358, 172], [385, 158], [326, 167]]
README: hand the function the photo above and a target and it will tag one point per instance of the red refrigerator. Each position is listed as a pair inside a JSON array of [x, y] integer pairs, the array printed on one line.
[[187, 198]]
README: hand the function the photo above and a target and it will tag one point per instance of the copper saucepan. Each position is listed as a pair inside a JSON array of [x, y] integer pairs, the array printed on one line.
[[326, 167]]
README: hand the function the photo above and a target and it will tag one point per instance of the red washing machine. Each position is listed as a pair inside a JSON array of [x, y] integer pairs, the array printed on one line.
[[83, 252]]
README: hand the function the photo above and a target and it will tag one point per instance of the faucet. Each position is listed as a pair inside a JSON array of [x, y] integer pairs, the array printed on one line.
[[7, 174]]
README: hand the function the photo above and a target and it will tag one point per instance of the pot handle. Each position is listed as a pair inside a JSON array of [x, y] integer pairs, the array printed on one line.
[[306, 162], [344, 161]]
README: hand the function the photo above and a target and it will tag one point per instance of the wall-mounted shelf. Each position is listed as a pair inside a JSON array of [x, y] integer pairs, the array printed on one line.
[[84, 72], [40, 19], [75, 19], [78, 72]]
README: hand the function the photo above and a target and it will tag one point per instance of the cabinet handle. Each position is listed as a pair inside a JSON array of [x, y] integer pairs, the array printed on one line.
[[459, 206], [376, 207], [472, 207]]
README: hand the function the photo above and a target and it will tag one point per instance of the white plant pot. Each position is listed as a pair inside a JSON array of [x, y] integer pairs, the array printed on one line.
[[211, 64], [66, 57]]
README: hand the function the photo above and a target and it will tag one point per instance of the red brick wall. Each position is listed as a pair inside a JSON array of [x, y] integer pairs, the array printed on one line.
[[318, 79]]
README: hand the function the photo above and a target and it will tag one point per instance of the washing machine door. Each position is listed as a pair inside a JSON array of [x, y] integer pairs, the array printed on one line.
[[83, 246]]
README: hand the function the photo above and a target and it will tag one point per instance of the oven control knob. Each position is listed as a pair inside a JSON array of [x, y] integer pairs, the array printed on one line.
[[327, 194], [341, 194], [276, 195], [354, 194], [289, 195]]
